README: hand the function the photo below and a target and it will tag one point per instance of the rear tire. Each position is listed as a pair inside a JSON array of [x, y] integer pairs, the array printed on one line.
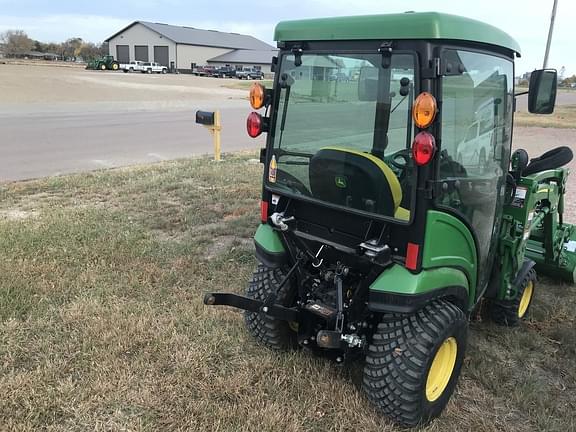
[[414, 362], [273, 333], [509, 313]]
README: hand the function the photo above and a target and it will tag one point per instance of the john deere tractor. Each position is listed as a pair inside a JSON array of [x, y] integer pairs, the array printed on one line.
[[104, 63], [392, 208]]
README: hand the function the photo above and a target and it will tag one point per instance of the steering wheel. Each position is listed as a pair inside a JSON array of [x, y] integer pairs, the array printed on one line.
[[400, 159]]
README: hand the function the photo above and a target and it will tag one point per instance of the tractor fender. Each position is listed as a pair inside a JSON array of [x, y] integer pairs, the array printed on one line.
[[397, 290], [270, 250]]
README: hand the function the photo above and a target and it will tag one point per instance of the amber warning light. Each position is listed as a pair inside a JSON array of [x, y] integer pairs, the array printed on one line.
[[424, 110], [257, 96]]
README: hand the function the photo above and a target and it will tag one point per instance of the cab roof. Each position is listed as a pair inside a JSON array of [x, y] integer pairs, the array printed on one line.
[[408, 25]]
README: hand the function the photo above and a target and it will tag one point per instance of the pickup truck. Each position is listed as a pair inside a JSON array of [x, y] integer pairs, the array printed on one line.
[[203, 70], [250, 74], [224, 72], [149, 67], [133, 66]]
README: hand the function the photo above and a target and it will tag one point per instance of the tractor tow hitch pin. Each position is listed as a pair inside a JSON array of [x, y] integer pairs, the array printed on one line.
[[279, 220]]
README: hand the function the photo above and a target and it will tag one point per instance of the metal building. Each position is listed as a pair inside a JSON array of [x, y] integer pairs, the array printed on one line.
[[182, 48]]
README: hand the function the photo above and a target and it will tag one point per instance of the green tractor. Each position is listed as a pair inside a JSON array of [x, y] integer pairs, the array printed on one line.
[[104, 63], [392, 209]]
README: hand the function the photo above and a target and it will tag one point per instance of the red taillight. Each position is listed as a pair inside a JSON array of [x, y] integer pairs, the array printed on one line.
[[254, 124], [264, 211], [423, 148], [412, 256]]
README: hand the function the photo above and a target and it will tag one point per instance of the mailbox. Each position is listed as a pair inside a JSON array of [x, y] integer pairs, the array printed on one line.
[[205, 118], [211, 121]]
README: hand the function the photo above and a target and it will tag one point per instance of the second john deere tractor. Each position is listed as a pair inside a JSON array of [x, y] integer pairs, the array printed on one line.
[[392, 208]]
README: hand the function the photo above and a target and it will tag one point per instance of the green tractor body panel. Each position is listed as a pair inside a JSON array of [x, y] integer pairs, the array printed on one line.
[[269, 240], [399, 280], [426, 25], [449, 243]]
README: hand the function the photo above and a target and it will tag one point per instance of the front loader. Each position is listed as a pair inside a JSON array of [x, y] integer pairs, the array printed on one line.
[[391, 208]]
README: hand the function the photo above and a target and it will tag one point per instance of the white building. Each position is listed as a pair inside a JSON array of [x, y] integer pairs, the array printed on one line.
[[183, 48]]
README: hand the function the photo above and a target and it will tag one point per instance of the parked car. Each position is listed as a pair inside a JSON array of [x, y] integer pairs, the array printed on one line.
[[133, 66], [250, 74], [203, 70], [149, 67], [340, 76], [224, 72]]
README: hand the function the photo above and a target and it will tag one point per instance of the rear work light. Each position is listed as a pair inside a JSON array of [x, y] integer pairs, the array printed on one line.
[[424, 110], [423, 148]]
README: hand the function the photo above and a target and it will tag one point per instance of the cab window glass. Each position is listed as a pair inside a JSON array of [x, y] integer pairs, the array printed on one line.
[[477, 109]]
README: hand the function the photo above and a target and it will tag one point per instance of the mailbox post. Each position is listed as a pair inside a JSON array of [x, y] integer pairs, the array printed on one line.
[[211, 120]]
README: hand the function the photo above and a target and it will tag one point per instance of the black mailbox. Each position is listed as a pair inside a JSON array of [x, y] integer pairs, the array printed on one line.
[[205, 118]]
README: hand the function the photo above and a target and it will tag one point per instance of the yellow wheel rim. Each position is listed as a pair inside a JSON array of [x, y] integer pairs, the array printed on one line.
[[526, 299], [441, 369]]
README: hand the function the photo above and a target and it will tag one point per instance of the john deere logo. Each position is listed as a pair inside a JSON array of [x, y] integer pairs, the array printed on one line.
[[341, 182]]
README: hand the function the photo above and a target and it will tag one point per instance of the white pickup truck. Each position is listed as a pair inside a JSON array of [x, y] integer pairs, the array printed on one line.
[[133, 66], [154, 67]]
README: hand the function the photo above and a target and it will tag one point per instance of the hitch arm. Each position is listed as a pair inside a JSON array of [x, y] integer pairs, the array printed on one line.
[[251, 305]]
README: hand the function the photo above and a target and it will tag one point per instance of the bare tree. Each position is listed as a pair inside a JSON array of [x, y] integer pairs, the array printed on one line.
[[16, 42]]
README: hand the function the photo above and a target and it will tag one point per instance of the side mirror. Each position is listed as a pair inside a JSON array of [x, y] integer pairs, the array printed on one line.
[[368, 84], [542, 91]]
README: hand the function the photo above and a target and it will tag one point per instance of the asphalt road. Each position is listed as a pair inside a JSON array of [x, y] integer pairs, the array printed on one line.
[[36, 142], [42, 144]]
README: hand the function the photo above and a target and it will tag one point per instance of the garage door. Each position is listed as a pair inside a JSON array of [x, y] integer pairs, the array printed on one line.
[[141, 53], [122, 54], [161, 55]]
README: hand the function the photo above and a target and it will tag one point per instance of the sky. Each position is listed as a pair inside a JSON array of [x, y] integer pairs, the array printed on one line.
[[527, 21]]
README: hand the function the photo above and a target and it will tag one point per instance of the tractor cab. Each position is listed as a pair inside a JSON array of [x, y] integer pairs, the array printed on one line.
[[386, 179]]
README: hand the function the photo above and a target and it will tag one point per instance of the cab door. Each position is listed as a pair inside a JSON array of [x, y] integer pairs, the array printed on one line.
[[478, 100]]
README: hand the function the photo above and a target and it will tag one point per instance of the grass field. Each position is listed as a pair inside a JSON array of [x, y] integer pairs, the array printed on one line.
[[245, 85], [102, 325], [564, 116]]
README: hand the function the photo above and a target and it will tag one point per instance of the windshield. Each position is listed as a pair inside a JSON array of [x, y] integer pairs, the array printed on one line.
[[343, 130]]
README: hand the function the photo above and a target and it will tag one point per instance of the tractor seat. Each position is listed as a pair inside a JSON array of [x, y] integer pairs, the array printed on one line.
[[357, 180]]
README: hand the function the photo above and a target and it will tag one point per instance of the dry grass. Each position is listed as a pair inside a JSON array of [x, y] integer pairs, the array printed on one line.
[[564, 116], [245, 84], [102, 326]]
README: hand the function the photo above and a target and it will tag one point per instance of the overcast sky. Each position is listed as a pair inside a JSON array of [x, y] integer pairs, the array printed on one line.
[[54, 21]]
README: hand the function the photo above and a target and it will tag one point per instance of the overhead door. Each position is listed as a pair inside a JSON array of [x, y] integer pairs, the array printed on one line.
[[161, 54], [141, 53], [122, 54]]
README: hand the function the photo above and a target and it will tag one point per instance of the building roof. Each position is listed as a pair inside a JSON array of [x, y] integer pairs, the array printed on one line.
[[246, 56], [410, 25], [194, 36]]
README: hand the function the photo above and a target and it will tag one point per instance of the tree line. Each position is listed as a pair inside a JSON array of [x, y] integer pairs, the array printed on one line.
[[16, 43]]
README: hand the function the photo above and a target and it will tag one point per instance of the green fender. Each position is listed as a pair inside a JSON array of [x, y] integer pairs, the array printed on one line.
[[399, 290], [269, 247], [449, 243]]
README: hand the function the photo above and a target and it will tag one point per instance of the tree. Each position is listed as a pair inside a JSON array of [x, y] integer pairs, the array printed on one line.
[[89, 51], [71, 48], [16, 42]]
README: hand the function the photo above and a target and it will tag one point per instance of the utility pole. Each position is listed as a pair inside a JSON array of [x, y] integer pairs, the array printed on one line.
[[550, 34]]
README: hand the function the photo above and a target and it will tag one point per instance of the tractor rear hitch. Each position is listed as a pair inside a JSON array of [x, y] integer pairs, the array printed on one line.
[[251, 305]]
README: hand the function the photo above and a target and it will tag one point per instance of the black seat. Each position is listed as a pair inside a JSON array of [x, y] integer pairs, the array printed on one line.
[[355, 179], [552, 159]]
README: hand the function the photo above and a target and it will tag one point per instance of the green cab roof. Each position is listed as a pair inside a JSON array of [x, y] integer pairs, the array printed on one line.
[[409, 25]]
